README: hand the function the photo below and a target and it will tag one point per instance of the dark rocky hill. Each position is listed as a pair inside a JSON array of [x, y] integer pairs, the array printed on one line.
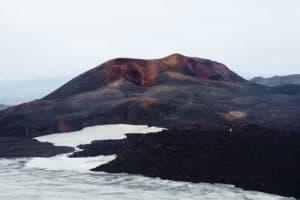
[[145, 73], [175, 91]]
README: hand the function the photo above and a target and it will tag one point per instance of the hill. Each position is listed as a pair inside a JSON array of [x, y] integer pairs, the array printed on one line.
[[175, 91], [278, 80]]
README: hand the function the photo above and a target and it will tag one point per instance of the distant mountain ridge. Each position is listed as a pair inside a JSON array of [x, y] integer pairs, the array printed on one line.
[[278, 80], [3, 106]]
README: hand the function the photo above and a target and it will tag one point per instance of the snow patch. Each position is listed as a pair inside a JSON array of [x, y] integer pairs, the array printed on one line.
[[63, 163], [85, 136], [101, 132]]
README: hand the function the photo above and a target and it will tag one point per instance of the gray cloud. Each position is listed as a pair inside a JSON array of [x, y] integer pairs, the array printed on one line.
[[66, 37]]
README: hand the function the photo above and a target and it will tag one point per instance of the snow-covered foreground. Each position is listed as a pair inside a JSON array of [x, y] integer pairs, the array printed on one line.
[[85, 136], [19, 182], [60, 177]]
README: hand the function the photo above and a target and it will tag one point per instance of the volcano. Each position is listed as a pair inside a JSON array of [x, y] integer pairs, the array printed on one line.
[[174, 91], [146, 73]]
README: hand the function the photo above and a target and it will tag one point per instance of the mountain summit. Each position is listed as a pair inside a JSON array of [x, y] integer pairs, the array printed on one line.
[[146, 73]]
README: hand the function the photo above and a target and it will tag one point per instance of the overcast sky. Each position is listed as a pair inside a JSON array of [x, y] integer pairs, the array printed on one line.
[[57, 38]]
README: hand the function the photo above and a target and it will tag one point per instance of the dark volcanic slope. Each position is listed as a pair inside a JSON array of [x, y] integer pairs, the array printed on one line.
[[173, 91], [254, 159]]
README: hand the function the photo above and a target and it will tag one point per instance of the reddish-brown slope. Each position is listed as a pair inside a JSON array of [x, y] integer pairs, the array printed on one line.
[[144, 73]]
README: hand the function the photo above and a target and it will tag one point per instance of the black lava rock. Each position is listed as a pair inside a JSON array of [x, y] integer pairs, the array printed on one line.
[[253, 159]]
